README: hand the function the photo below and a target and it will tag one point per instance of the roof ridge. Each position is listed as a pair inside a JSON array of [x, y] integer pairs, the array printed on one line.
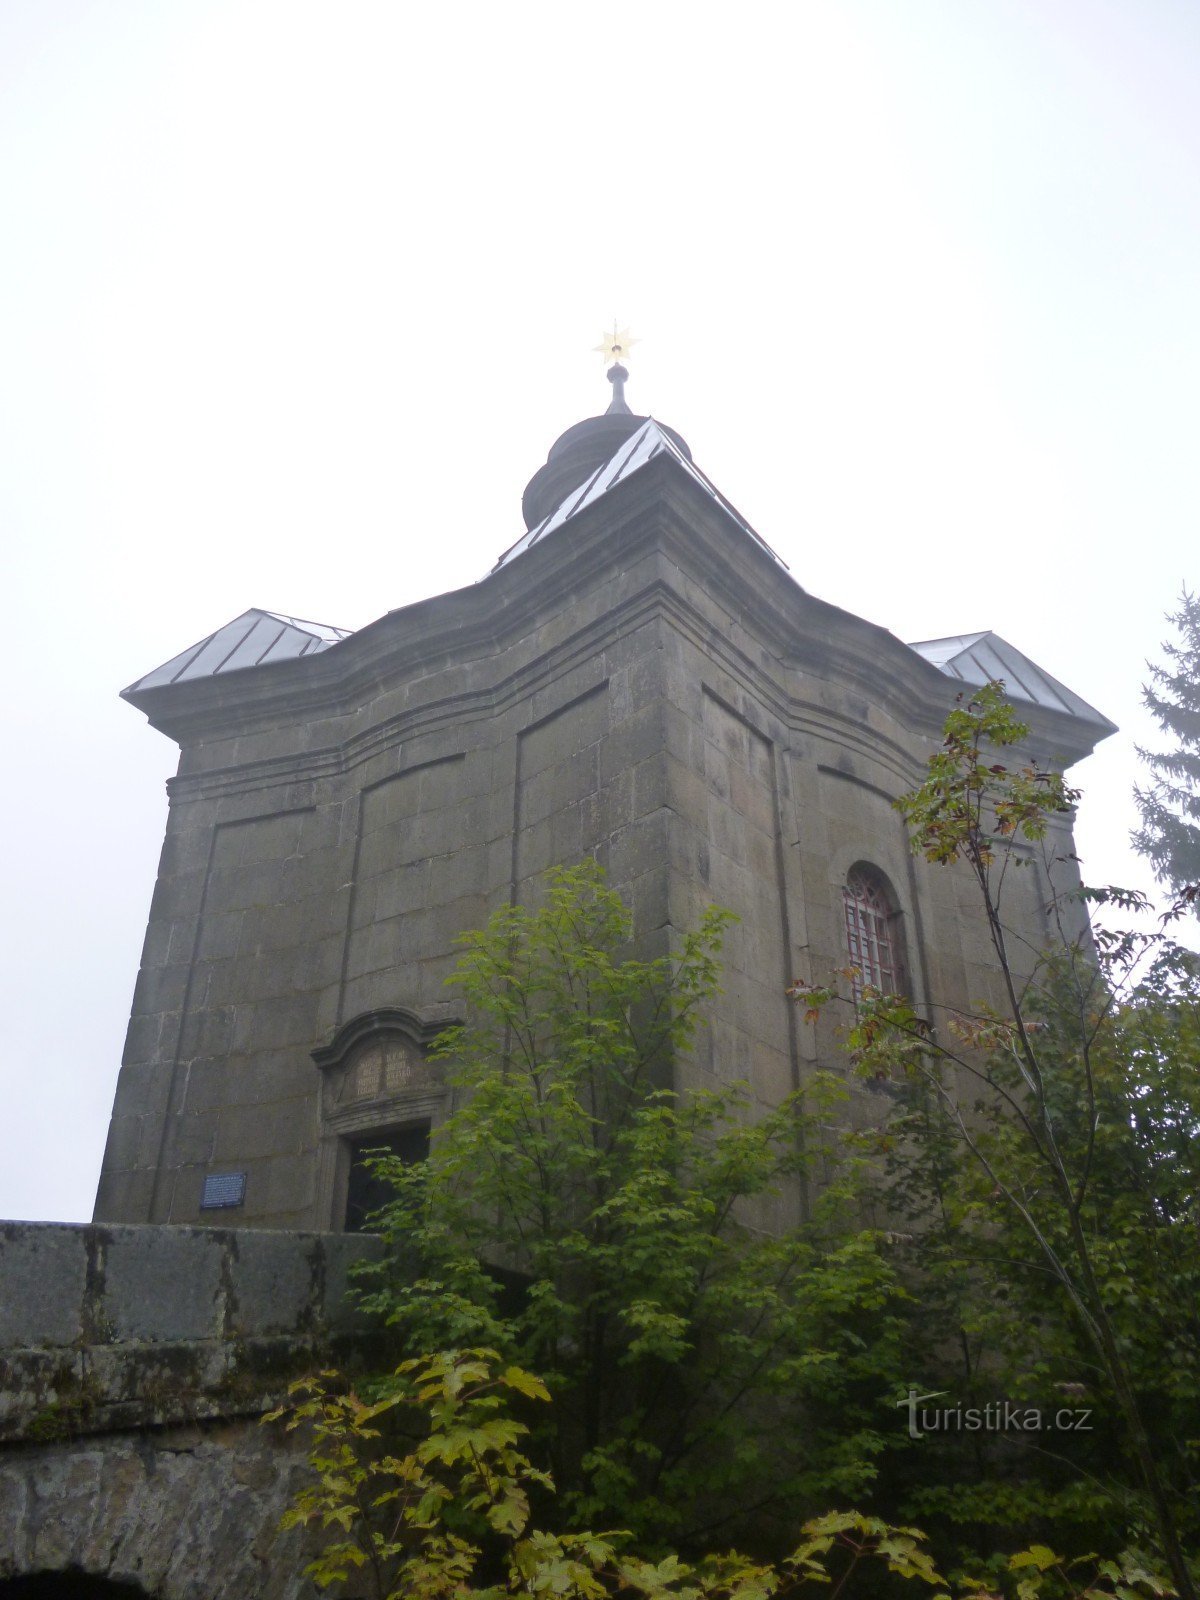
[[652, 438]]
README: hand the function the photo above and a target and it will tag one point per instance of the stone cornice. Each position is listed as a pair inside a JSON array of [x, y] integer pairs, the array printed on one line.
[[461, 711], [659, 512]]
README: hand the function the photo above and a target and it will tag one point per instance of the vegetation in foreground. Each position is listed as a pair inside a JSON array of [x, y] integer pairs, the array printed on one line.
[[449, 1515], [716, 1363], [715, 1383], [1048, 1159]]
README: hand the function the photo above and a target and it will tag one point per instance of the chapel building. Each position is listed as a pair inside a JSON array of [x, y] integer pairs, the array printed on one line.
[[639, 679]]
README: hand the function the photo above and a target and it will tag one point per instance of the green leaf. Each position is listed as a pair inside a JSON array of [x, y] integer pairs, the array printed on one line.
[[1037, 1555]]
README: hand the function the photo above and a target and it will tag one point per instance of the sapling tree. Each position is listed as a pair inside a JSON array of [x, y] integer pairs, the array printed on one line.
[[1061, 1123], [715, 1362]]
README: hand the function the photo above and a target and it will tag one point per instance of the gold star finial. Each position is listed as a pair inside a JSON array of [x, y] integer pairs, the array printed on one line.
[[615, 345]]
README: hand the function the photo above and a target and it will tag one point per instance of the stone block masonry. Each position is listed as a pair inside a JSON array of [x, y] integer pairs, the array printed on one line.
[[135, 1364], [644, 684]]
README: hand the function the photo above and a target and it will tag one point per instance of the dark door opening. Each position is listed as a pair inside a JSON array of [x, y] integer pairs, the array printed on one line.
[[365, 1193], [74, 1585]]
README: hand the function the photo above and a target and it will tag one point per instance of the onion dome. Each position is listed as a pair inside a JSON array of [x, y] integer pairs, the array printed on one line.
[[582, 450]]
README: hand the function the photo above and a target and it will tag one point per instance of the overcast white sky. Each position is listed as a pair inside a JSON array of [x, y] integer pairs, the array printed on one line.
[[294, 298]]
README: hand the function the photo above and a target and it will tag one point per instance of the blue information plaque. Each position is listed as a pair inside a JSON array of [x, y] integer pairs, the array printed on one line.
[[223, 1189]]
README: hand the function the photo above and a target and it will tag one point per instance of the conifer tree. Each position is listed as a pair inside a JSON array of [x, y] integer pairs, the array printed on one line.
[[1170, 803]]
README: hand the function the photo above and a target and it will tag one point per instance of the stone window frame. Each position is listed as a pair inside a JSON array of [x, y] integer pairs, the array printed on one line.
[[423, 1103], [867, 857], [872, 921]]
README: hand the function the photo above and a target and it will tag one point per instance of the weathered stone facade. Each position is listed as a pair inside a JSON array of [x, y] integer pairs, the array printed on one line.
[[135, 1365], [645, 683], [640, 680]]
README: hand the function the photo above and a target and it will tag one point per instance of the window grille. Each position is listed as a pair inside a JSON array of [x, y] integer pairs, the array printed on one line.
[[870, 934]]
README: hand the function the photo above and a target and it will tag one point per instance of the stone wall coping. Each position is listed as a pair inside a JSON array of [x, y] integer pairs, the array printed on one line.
[[118, 1325]]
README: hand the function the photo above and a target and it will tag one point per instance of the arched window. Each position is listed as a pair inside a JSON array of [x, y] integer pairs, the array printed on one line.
[[871, 934]]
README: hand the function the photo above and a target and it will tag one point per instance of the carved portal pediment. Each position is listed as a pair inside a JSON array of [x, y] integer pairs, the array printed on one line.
[[378, 1069], [377, 1065]]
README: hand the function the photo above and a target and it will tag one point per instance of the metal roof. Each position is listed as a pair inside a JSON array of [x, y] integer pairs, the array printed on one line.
[[978, 658], [254, 638], [257, 637], [649, 441]]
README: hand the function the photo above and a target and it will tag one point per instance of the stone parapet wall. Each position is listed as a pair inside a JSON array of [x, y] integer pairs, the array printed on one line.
[[105, 1328]]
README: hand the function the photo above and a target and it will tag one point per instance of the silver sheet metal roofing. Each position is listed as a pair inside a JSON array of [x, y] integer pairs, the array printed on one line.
[[254, 638], [649, 441], [257, 638], [977, 658]]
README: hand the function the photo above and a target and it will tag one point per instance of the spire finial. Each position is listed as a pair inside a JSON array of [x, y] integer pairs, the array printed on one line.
[[614, 348], [617, 376]]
